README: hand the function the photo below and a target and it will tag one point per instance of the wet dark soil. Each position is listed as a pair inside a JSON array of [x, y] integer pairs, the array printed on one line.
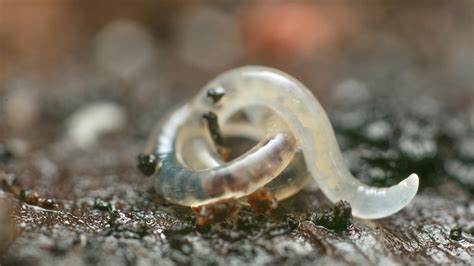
[[60, 205]]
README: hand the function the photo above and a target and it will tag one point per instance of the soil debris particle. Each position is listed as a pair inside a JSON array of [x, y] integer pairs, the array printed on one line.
[[339, 218], [262, 201], [456, 234], [147, 163], [216, 212], [102, 205]]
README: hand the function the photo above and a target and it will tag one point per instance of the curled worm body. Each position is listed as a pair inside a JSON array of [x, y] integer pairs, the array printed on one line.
[[297, 123]]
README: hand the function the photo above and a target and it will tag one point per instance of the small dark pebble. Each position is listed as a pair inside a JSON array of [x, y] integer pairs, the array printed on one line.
[[102, 205], [339, 218], [147, 164], [456, 233], [342, 214], [215, 94]]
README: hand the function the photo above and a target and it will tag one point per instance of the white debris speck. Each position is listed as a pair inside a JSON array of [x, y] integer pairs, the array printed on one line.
[[89, 122]]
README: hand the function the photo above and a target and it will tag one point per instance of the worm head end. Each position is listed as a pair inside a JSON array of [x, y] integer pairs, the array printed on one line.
[[412, 181], [378, 203]]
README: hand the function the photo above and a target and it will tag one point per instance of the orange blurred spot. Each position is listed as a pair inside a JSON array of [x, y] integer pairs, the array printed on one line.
[[292, 29]]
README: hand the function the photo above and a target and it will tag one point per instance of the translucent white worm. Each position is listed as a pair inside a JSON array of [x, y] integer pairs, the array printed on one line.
[[293, 103], [191, 173]]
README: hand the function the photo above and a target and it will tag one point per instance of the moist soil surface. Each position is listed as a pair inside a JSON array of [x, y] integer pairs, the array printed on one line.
[[69, 206]]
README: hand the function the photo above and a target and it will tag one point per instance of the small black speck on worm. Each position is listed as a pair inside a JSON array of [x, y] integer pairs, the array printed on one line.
[[213, 127], [147, 164], [215, 94]]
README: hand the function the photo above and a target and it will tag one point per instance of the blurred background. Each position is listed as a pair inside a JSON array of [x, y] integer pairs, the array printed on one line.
[[160, 52], [142, 57]]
